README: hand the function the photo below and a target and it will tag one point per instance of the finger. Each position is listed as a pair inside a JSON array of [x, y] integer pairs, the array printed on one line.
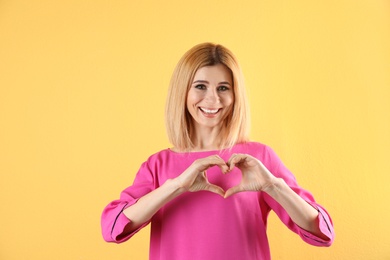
[[232, 191], [224, 168], [235, 159], [215, 160], [215, 189]]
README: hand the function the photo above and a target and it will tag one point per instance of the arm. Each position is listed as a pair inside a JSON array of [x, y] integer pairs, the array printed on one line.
[[301, 212], [285, 197], [113, 221], [138, 213], [148, 205]]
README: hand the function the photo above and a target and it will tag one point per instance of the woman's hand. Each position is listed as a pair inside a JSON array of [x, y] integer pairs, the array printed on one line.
[[194, 178], [255, 176]]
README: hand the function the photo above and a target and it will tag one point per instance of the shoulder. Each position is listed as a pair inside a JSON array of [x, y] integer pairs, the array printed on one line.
[[260, 151], [155, 161], [168, 156], [255, 147], [162, 155]]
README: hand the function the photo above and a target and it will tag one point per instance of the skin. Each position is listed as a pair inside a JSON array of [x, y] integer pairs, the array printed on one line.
[[209, 101], [211, 90]]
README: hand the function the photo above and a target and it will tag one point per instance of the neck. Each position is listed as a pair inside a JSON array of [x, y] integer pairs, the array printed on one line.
[[206, 139]]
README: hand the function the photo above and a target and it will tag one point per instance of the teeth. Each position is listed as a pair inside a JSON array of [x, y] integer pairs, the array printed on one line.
[[208, 111]]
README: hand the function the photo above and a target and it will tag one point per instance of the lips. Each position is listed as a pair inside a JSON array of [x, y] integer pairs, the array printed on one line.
[[209, 111]]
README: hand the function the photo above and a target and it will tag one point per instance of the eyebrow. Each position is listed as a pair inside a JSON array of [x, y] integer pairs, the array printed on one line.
[[205, 81]]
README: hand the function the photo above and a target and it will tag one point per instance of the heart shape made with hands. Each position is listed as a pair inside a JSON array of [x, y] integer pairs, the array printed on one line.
[[255, 176]]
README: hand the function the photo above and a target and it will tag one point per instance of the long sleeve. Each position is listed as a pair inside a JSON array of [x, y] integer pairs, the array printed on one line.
[[324, 221], [113, 220], [206, 218]]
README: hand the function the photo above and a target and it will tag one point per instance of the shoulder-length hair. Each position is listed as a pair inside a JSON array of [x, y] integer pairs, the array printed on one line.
[[177, 118]]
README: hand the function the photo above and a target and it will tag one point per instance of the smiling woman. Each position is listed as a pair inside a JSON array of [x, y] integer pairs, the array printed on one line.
[[209, 102], [221, 214], [202, 63]]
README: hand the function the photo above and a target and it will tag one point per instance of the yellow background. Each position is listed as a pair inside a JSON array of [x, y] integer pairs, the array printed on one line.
[[82, 95]]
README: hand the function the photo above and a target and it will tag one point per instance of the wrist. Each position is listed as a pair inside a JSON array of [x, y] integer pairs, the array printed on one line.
[[274, 187], [175, 186]]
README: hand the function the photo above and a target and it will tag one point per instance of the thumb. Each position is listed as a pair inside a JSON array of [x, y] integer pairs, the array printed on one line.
[[216, 189], [232, 191]]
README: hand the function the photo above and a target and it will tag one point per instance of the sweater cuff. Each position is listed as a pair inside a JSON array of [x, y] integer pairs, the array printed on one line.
[[326, 227], [118, 232]]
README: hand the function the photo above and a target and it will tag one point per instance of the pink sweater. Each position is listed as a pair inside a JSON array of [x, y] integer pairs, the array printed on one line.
[[203, 225]]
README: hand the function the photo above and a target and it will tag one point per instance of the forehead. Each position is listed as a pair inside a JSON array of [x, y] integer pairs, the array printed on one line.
[[217, 72]]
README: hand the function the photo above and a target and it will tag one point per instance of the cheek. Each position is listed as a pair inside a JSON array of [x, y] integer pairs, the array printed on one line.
[[228, 100], [193, 98], [191, 102], [229, 104]]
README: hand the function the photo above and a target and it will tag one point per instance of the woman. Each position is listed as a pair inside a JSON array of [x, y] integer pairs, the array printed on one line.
[[221, 214]]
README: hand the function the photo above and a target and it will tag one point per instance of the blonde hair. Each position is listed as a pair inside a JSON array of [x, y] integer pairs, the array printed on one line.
[[177, 118]]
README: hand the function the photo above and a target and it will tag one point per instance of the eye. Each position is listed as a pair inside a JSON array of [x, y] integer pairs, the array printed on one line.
[[200, 86], [223, 88]]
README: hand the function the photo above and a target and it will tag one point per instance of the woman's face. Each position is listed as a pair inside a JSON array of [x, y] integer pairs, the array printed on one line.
[[211, 96]]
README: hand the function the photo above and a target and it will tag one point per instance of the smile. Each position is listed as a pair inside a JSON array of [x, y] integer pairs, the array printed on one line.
[[209, 111]]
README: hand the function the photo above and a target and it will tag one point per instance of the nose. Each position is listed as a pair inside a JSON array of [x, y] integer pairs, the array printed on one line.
[[212, 96]]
